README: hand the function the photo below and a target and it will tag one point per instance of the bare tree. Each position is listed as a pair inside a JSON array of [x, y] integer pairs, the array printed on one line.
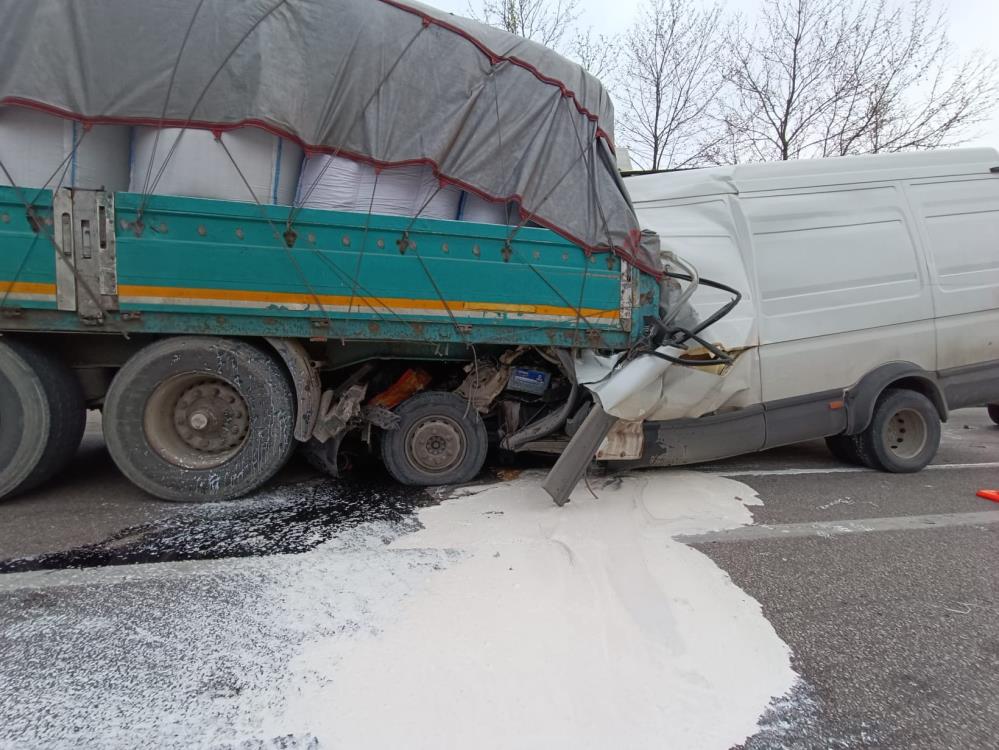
[[786, 76], [836, 77], [597, 53], [916, 94], [544, 21], [670, 81]]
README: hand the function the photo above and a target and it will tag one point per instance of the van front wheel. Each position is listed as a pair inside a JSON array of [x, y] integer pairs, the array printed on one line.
[[994, 412], [904, 433]]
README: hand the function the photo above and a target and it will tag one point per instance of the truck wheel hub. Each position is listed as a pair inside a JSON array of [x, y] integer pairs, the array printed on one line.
[[436, 445], [196, 421], [211, 417]]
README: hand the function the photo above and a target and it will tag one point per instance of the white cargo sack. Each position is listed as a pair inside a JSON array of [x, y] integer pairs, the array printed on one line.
[[474, 208], [38, 151], [341, 184], [199, 166]]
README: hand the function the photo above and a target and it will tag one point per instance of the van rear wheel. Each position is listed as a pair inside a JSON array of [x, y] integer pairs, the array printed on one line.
[[198, 418], [904, 432], [994, 412]]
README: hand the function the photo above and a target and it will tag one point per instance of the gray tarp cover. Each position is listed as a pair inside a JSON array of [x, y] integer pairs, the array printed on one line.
[[378, 80]]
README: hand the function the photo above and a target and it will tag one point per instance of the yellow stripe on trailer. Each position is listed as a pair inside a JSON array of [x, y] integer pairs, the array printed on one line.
[[169, 295]]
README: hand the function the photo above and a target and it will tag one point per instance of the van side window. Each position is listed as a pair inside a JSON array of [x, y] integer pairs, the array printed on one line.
[[834, 261]]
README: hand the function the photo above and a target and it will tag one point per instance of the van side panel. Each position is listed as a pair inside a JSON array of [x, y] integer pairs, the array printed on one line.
[[795, 368], [843, 287], [959, 223]]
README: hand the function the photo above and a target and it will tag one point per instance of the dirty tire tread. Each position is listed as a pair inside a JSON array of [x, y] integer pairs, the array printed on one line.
[[447, 404], [67, 412], [994, 412], [890, 402], [258, 377], [846, 449]]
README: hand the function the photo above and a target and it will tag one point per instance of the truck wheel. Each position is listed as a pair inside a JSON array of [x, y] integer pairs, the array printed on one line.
[[42, 416], [439, 440], [847, 449], [904, 433], [994, 412], [197, 418]]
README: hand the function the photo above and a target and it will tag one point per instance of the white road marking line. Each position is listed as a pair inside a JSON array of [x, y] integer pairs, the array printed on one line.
[[839, 528], [836, 470]]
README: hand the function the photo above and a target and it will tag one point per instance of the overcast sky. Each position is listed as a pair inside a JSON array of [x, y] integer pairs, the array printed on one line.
[[974, 25]]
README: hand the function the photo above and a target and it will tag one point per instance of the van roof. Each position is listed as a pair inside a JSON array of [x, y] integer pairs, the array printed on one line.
[[742, 178]]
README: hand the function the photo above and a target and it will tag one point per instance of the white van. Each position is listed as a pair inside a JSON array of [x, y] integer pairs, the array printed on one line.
[[870, 303]]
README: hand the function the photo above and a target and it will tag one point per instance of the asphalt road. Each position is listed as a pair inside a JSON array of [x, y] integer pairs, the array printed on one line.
[[884, 587]]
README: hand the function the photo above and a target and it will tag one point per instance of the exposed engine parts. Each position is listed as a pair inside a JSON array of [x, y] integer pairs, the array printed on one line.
[[524, 395], [335, 416]]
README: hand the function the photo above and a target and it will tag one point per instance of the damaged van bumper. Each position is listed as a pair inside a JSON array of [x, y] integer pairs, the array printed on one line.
[[653, 412]]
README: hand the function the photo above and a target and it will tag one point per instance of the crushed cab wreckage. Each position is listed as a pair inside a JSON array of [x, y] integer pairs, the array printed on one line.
[[460, 265]]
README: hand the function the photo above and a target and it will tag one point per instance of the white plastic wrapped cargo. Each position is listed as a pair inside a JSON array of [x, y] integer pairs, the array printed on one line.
[[474, 208], [199, 166], [341, 184], [38, 150]]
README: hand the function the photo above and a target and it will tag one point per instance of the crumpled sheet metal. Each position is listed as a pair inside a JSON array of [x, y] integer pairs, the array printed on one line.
[[381, 81], [652, 389]]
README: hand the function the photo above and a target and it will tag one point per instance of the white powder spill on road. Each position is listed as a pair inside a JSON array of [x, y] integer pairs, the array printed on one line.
[[503, 622], [583, 626]]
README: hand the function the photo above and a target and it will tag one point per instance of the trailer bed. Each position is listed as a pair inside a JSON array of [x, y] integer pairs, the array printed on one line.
[[171, 265]]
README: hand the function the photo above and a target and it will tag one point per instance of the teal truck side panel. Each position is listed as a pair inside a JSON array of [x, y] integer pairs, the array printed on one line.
[[27, 258], [188, 265]]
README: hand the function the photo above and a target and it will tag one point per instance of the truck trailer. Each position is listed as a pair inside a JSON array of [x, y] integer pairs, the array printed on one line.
[[216, 335]]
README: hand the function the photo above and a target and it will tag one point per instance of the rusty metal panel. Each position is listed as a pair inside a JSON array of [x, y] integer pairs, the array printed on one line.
[[624, 442]]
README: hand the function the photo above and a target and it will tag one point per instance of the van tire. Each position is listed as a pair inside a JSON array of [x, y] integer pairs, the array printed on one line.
[[440, 440], [846, 448], [904, 433], [994, 412], [42, 416]]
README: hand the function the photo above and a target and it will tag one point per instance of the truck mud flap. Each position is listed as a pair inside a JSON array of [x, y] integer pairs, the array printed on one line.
[[572, 464]]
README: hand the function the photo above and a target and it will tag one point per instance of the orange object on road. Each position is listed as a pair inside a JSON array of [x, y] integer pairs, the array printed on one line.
[[992, 495], [411, 382]]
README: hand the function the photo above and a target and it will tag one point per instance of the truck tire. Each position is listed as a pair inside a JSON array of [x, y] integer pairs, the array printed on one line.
[[904, 432], [847, 449], [197, 418], [439, 440], [42, 416], [994, 412]]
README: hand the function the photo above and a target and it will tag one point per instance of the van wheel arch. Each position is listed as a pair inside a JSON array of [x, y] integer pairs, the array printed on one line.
[[862, 398]]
